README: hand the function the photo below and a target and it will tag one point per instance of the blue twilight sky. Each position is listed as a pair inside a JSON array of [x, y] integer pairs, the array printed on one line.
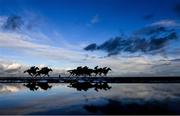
[[55, 33]]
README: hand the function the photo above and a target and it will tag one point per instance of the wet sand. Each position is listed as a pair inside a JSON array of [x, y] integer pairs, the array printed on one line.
[[91, 79]]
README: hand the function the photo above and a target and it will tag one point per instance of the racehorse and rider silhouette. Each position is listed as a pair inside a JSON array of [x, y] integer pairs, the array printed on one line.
[[35, 71], [79, 71]]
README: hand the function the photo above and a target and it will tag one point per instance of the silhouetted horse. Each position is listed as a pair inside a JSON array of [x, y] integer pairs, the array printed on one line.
[[73, 72], [96, 71], [105, 71], [32, 71], [101, 71], [44, 71]]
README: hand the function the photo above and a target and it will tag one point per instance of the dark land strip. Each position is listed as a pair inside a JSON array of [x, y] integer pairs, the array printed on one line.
[[91, 79]]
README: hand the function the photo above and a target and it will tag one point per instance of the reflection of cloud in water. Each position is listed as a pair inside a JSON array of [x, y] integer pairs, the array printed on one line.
[[139, 99], [132, 107], [145, 91], [122, 97], [9, 88]]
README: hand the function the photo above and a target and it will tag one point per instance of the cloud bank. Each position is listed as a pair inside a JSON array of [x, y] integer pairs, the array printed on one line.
[[145, 40]]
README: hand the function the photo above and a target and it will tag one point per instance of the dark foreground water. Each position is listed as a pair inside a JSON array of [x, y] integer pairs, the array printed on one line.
[[89, 99]]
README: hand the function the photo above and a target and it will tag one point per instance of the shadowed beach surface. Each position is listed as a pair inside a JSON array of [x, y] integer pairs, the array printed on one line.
[[88, 98], [172, 79]]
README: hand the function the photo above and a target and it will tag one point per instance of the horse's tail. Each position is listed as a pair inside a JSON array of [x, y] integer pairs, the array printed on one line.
[[69, 71]]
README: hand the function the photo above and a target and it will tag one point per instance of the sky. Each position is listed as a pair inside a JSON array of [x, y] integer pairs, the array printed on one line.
[[133, 37]]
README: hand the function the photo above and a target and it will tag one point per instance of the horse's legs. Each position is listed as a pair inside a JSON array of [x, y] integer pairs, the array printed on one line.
[[30, 74], [100, 74], [105, 74], [70, 75]]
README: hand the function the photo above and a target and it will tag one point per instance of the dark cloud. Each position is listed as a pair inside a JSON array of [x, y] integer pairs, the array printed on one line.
[[132, 106], [145, 40], [152, 30], [13, 22], [176, 8], [91, 47], [148, 17]]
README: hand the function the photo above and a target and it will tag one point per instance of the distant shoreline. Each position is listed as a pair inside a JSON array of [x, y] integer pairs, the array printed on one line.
[[91, 79]]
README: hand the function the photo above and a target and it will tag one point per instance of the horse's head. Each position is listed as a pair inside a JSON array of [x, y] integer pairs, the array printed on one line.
[[109, 69], [50, 69], [85, 67], [96, 67], [36, 68]]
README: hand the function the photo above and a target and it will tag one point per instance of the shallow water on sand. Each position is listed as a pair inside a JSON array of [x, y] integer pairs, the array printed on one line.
[[19, 98]]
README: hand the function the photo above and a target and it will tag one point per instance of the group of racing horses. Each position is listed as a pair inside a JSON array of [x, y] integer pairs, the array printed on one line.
[[86, 71], [79, 71]]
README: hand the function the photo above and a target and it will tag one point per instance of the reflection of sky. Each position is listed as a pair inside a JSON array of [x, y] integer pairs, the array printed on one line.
[[63, 100]]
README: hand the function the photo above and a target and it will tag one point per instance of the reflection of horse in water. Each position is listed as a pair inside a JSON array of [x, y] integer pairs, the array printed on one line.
[[87, 85], [86, 71], [33, 86], [81, 86], [34, 71], [44, 86]]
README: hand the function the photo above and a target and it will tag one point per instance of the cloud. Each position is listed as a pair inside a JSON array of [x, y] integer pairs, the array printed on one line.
[[91, 47], [166, 23], [13, 22], [21, 23], [151, 30], [118, 45], [148, 17], [22, 43], [9, 68], [152, 39], [95, 19], [3, 19], [176, 9]]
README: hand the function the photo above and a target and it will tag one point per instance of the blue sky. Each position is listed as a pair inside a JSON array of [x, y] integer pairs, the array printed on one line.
[[71, 17], [55, 32]]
